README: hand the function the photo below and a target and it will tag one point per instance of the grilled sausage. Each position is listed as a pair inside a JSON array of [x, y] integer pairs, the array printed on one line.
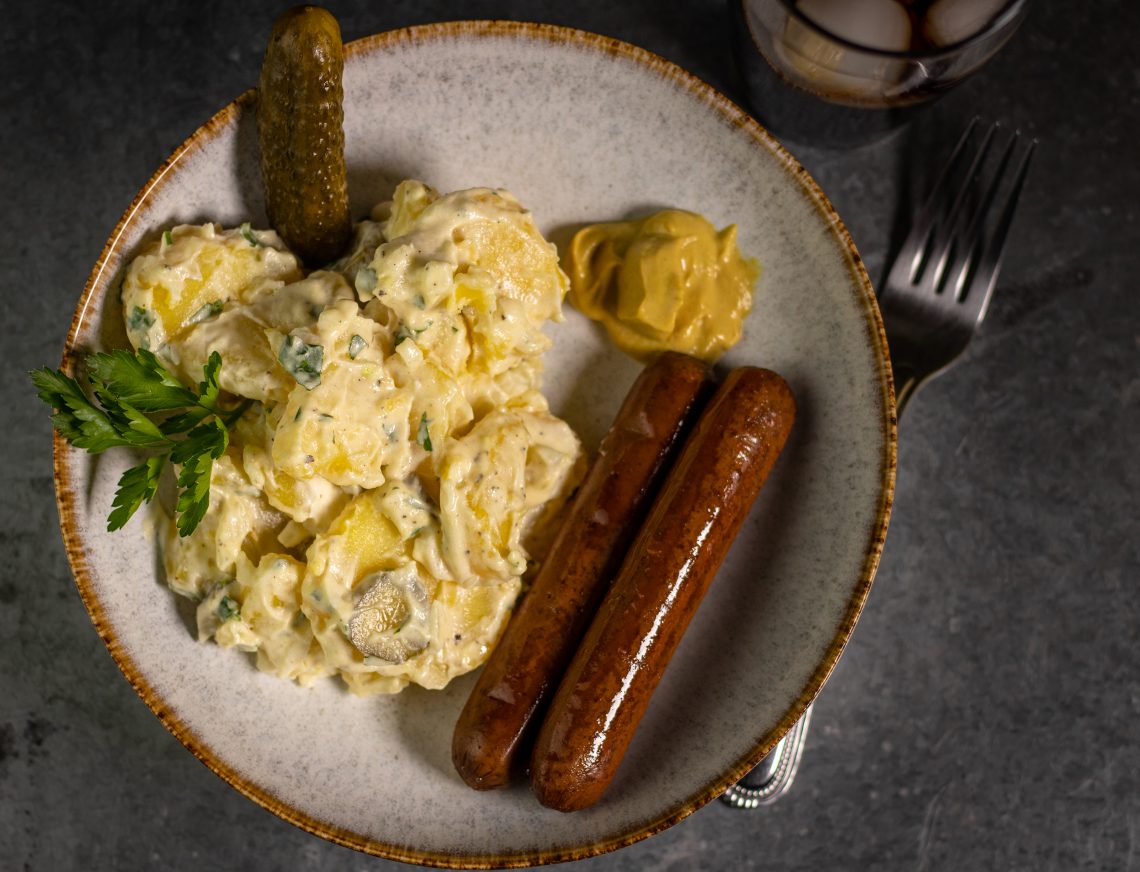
[[702, 505], [541, 637]]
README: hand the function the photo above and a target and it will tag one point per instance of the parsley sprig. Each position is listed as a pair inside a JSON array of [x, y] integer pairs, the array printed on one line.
[[138, 403]]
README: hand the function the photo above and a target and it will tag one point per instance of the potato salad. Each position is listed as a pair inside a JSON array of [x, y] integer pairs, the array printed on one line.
[[397, 468]]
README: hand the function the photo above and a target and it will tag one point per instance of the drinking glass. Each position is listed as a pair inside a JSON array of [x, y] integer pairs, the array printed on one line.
[[845, 72]]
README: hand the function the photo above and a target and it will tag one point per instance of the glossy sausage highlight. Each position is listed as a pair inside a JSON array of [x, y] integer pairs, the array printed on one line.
[[702, 505]]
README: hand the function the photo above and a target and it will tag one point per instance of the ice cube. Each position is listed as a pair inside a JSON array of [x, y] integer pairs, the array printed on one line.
[[950, 21], [837, 71], [877, 24]]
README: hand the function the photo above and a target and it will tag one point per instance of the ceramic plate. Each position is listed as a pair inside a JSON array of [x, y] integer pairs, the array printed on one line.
[[580, 128]]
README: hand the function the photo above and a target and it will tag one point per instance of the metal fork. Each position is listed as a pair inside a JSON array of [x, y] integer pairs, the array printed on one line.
[[936, 294]]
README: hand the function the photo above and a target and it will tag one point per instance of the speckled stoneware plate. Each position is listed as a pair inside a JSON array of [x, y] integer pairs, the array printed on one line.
[[580, 128]]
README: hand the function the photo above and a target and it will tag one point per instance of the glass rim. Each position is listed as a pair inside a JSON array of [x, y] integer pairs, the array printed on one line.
[[1005, 16]]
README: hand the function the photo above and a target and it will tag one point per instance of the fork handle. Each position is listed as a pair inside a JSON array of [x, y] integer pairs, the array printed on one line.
[[907, 381]]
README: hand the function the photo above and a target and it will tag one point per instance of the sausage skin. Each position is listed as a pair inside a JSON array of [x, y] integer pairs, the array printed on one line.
[[702, 505], [541, 637]]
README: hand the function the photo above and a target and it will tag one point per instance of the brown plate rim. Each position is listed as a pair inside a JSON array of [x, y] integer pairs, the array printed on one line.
[[731, 115]]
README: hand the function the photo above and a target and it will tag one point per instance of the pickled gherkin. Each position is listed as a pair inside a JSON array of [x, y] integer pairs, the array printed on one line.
[[300, 126]]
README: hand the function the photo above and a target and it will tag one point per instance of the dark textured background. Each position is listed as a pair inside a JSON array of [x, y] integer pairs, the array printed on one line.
[[985, 713]]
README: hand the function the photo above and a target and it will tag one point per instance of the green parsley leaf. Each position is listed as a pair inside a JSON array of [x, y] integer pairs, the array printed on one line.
[[167, 237], [422, 435], [194, 492], [304, 362], [208, 388], [211, 439], [208, 312], [139, 380], [140, 320], [249, 236], [196, 454], [136, 486], [356, 345], [132, 426], [404, 332], [77, 419], [229, 609], [184, 421]]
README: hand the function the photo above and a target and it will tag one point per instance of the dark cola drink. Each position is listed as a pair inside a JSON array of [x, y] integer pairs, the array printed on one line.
[[844, 72]]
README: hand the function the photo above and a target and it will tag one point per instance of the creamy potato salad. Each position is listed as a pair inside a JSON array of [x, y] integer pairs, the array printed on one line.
[[397, 467]]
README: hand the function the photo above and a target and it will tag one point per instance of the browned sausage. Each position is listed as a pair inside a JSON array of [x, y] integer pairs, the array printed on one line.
[[545, 630], [704, 501]]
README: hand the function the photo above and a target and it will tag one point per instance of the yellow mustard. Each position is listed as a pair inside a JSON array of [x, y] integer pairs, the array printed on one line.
[[669, 282]]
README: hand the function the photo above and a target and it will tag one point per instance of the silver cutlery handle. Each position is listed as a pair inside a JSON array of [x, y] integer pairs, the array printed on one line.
[[772, 778], [907, 381]]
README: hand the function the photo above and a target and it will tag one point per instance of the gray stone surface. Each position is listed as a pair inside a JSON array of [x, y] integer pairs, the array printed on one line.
[[985, 713]]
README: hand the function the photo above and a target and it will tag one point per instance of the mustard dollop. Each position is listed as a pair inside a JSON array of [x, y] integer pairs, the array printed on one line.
[[668, 282]]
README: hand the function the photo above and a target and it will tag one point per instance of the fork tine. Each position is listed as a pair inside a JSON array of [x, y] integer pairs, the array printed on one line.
[[968, 232], [914, 247], [931, 278], [981, 285]]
